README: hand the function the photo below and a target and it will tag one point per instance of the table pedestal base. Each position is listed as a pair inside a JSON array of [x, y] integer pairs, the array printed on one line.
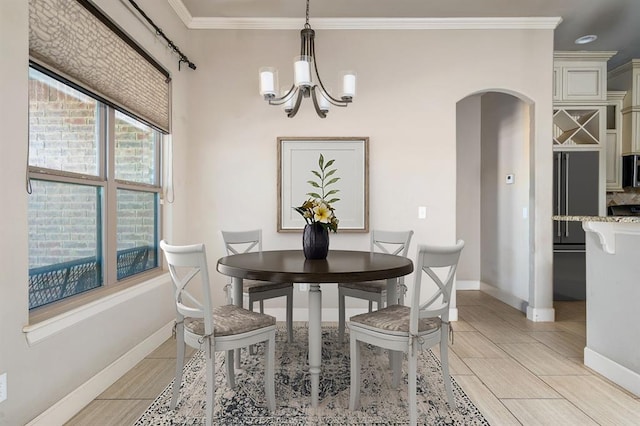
[[315, 340]]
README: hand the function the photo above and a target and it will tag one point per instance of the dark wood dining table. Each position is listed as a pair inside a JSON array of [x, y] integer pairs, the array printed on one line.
[[291, 266]]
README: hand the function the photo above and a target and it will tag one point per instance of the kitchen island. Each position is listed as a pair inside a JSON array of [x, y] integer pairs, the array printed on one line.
[[613, 297]]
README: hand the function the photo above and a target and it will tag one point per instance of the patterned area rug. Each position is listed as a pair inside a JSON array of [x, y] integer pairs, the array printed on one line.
[[245, 405]]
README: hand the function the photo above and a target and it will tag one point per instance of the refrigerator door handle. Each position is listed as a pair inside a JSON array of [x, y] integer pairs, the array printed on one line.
[[566, 193], [558, 195]]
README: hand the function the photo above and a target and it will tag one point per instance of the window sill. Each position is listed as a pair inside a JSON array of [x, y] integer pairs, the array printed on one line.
[[44, 324]]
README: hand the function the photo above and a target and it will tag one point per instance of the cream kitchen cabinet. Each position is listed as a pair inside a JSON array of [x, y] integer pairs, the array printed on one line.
[[580, 77], [627, 77], [613, 142]]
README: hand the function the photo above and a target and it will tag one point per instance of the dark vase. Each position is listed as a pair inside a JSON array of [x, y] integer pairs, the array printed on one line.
[[315, 241]]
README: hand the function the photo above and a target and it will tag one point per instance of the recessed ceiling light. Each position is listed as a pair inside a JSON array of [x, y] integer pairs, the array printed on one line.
[[586, 39]]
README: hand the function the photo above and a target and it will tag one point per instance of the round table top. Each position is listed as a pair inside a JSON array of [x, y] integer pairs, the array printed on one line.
[[291, 266]]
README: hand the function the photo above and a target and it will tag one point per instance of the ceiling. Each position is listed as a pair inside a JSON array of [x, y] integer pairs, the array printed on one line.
[[615, 22]]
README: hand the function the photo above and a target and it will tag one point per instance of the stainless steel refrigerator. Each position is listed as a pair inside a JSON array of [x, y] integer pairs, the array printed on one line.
[[575, 193]]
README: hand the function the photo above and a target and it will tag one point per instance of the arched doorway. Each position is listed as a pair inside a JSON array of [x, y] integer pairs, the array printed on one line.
[[494, 201]]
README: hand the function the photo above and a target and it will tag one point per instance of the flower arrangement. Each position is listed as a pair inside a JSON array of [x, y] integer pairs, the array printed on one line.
[[317, 209]]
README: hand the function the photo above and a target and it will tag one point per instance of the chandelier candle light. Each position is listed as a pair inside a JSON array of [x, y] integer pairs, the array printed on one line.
[[306, 81]]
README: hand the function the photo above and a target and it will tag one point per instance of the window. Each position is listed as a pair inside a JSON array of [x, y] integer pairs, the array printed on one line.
[[94, 206]]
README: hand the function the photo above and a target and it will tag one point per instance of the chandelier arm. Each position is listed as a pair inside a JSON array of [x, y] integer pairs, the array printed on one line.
[[284, 98], [294, 111], [331, 100], [321, 114], [325, 92]]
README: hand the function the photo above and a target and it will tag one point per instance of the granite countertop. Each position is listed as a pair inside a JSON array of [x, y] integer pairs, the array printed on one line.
[[611, 219]]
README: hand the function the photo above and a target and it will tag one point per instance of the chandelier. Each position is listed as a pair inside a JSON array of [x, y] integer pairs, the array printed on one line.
[[307, 82]]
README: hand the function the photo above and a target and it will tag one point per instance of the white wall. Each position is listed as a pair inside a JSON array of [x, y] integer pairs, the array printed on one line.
[[468, 159], [40, 375], [504, 231], [225, 160], [406, 104]]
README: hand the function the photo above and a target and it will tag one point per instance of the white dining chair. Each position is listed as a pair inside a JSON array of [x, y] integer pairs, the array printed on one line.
[[411, 328], [236, 242], [390, 242], [223, 328]]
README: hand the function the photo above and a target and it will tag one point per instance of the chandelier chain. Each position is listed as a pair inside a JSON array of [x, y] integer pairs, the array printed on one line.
[[306, 25]]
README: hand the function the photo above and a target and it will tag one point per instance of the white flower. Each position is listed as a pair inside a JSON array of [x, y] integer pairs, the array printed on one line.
[[321, 213]]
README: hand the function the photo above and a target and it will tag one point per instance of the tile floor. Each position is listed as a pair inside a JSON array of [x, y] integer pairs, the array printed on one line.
[[517, 372]]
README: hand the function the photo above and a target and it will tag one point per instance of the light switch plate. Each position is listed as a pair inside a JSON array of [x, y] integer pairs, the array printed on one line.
[[3, 387], [422, 212]]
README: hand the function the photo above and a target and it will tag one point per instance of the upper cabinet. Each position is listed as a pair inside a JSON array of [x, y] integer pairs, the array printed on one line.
[[613, 141], [580, 77], [627, 78]]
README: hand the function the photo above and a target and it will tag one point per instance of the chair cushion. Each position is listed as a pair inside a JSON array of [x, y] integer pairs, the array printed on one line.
[[250, 286], [370, 286], [229, 320], [395, 318]]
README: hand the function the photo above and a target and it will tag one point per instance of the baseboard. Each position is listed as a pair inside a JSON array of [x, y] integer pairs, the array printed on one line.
[[503, 296], [467, 285], [541, 314], [453, 314], [63, 410], [621, 375]]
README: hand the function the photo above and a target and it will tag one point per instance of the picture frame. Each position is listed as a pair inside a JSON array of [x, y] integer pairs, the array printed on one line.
[[298, 156]]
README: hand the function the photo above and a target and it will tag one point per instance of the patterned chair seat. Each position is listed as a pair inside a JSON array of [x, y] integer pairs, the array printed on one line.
[[395, 320], [229, 320]]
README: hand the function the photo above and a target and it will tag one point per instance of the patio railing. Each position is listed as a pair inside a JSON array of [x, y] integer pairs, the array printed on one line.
[[48, 284]]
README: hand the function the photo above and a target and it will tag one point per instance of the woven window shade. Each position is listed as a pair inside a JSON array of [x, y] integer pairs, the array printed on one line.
[[74, 38]]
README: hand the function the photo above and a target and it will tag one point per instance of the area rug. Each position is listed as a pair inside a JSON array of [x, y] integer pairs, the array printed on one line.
[[245, 405]]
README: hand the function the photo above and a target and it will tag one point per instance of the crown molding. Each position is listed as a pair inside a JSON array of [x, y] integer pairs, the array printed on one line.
[[632, 64], [218, 23], [182, 11], [582, 55], [374, 23]]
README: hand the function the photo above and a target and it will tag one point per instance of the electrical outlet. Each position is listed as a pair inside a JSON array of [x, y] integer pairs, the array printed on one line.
[[3, 386], [303, 287]]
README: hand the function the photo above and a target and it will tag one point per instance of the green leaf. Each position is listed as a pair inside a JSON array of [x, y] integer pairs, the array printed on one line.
[[330, 162], [333, 200], [330, 172], [313, 194], [334, 180], [321, 161], [314, 184], [333, 191], [317, 174]]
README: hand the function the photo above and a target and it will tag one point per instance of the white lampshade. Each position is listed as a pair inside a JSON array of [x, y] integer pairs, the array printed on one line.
[[323, 102], [288, 104], [349, 84], [302, 70], [268, 81]]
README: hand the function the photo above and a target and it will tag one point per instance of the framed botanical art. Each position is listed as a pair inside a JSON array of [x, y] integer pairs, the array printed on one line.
[[298, 163]]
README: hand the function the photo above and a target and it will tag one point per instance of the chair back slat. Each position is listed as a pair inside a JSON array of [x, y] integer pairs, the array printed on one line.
[[185, 264], [236, 242], [428, 259], [391, 242]]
